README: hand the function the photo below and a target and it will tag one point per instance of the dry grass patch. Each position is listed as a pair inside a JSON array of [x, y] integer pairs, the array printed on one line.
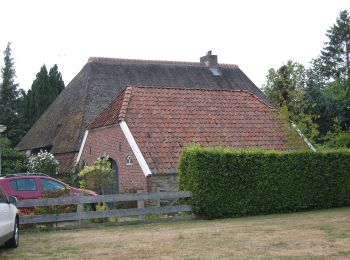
[[317, 234]]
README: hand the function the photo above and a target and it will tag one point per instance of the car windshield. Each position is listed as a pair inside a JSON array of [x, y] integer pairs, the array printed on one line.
[[51, 185]]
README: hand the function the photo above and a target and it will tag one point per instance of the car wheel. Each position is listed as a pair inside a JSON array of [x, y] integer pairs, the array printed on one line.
[[14, 241]]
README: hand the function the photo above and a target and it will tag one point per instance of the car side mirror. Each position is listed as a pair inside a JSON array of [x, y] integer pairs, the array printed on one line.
[[13, 200]]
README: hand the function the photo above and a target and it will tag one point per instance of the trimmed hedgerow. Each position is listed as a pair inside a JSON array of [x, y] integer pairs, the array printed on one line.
[[235, 182]]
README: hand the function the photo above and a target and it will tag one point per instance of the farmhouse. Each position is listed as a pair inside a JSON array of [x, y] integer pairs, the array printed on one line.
[[144, 130], [143, 127], [61, 128]]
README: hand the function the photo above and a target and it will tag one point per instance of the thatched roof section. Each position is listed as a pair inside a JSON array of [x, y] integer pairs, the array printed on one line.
[[63, 124]]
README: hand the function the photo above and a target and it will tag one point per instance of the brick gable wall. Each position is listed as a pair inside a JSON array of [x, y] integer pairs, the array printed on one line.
[[111, 141]]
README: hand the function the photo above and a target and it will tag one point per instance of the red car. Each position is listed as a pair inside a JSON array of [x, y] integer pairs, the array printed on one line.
[[33, 185]]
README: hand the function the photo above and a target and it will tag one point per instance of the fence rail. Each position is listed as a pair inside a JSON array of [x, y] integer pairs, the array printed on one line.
[[81, 215]]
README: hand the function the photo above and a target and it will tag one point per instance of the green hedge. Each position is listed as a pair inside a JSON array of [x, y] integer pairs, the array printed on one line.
[[235, 182]]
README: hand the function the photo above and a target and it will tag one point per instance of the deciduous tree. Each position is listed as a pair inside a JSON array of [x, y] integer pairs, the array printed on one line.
[[286, 89], [285, 86]]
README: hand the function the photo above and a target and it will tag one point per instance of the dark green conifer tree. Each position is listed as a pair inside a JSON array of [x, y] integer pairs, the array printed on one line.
[[11, 100], [45, 88], [336, 53], [56, 82], [335, 67]]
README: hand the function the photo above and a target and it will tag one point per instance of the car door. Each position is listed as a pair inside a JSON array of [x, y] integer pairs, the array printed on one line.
[[5, 215], [25, 188]]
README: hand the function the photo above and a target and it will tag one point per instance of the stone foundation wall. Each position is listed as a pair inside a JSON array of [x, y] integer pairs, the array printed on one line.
[[166, 182]]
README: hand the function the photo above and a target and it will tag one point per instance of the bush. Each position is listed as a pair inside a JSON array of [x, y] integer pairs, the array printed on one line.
[[73, 178], [97, 176], [43, 162], [232, 183], [337, 138], [57, 209], [12, 160]]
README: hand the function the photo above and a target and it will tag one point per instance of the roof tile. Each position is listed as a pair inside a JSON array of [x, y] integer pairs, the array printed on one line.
[[164, 120]]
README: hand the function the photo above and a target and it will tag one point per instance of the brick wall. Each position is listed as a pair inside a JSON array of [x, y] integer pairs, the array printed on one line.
[[111, 141]]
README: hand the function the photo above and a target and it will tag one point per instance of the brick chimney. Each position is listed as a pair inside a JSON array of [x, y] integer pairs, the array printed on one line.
[[210, 60]]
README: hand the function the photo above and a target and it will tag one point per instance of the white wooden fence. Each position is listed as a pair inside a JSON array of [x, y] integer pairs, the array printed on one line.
[[81, 215]]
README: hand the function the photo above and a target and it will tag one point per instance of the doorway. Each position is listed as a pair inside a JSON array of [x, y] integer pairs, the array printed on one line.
[[113, 188]]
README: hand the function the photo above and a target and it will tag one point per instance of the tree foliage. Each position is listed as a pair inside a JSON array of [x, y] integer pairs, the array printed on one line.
[[43, 162], [322, 98], [285, 87], [12, 160], [337, 137], [45, 88], [334, 68], [97, 176], [19, 110], [56, 82], [318, 95], [9, 91], [11, 99], [335, 55]]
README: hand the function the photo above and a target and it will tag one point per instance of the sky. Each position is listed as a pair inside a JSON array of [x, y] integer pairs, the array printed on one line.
[[255, 35]]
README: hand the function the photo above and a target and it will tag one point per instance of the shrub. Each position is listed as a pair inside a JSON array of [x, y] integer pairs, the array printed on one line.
[[230, 182], [57, 209], [73, 178], [12, 160], [337, 138], [97, 176], [43, 162]]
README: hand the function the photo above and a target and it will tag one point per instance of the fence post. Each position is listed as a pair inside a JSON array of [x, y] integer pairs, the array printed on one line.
[[158, 197], [141, 205], [80, 209]]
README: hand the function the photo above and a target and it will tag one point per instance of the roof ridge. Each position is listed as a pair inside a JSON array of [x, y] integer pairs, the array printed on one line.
[[159, 62], [124, 99], [127, 95], [207, 90]]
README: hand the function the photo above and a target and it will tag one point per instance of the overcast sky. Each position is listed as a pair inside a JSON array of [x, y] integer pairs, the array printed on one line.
[[255, 35]]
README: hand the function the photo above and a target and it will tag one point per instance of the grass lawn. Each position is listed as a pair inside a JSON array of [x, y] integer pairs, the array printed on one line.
[[320, 234]]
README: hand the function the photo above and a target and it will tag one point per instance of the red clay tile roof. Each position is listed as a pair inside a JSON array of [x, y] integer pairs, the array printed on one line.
[[164, 120], [115, 112]]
